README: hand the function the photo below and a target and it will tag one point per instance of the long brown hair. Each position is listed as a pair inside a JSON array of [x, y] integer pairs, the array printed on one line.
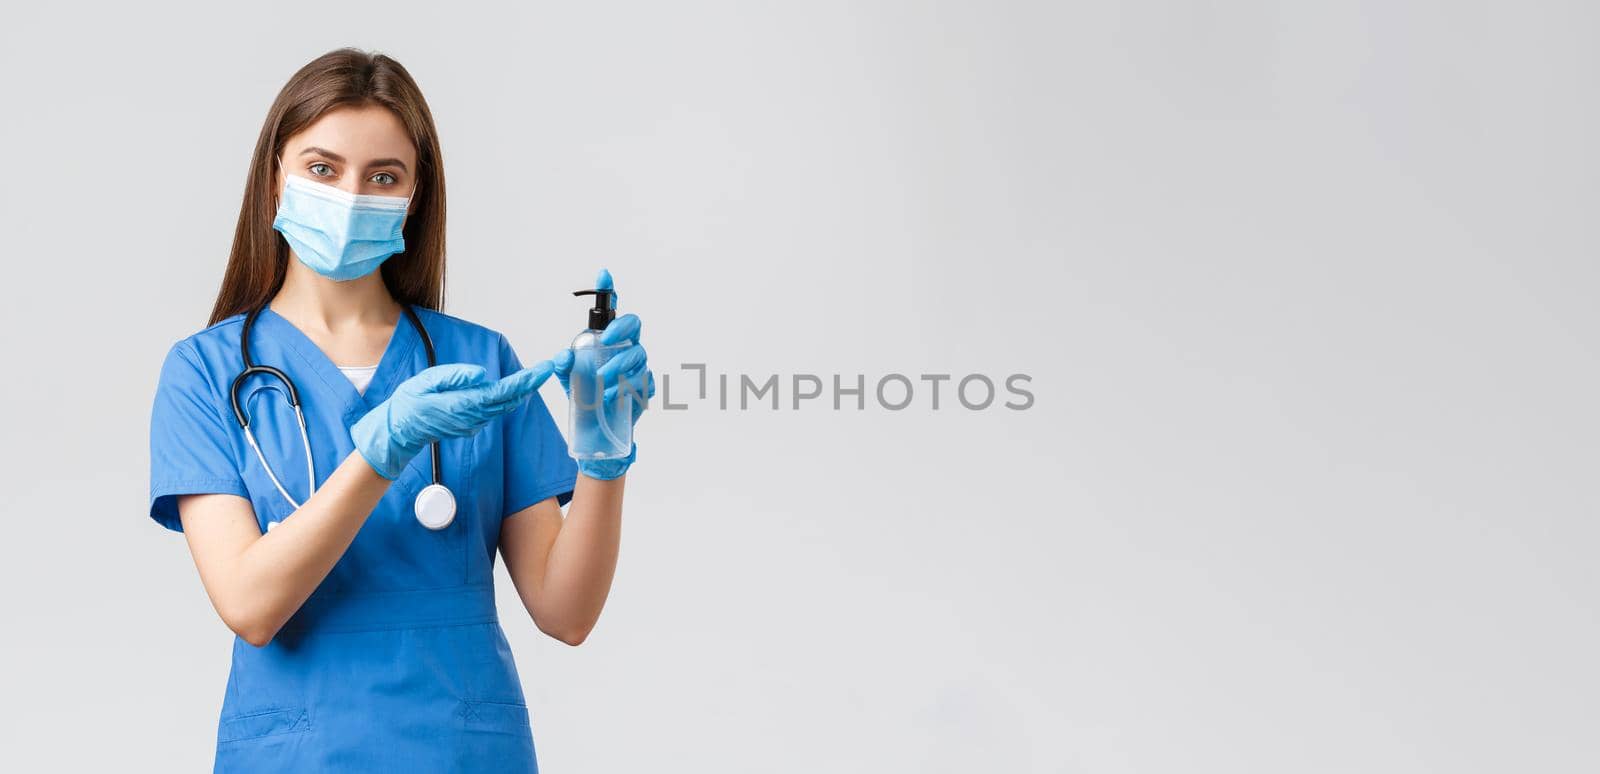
[[348, 76]]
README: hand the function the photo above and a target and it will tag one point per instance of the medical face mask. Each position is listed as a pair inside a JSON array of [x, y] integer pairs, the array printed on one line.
[[340, 235]]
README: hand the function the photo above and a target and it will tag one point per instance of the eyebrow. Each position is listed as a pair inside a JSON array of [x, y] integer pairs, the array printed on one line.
[[391, 162]]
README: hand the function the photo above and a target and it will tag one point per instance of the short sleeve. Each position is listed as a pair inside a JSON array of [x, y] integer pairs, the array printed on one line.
[[190, 448], [537, 463]]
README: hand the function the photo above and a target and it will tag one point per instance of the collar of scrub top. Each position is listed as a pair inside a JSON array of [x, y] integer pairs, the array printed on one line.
[[435, 506]]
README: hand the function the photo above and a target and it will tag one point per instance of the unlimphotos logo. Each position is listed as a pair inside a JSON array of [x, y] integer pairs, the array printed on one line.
[[892, 392]]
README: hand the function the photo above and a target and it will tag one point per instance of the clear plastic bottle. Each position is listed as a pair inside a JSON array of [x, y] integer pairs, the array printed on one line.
[[597, 429]]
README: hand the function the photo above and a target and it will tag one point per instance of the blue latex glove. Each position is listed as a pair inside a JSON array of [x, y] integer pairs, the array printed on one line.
[[453, 400], [630, 366]]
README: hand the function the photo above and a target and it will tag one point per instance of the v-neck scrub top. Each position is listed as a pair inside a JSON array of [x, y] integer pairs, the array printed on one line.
[[397, 661]]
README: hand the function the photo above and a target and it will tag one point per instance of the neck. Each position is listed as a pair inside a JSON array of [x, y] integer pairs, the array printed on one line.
[[314, 301]]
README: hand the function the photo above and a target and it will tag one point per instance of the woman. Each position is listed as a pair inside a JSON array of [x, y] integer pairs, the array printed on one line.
[[361, 595]]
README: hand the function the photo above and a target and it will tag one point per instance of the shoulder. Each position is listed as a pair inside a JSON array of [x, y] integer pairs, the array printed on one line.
[[201, 356], [222, 333], [442, 326], [458, 340]]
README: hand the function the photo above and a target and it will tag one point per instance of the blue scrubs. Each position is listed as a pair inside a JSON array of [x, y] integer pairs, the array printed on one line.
[[397, 661]]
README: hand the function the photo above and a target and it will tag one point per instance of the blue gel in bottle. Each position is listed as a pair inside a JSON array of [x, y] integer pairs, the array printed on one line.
[[598, 429]]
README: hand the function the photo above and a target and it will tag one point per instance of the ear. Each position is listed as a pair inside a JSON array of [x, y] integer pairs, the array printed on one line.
[[277, 184]]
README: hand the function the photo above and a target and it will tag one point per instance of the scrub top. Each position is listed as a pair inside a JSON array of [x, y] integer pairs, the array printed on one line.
[[397, 661]]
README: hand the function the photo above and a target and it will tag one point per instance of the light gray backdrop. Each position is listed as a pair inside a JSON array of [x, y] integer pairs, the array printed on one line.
[[1307, 292]]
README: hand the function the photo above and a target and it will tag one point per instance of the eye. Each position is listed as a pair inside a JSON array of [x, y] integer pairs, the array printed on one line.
[[321, 166], [384, 178]]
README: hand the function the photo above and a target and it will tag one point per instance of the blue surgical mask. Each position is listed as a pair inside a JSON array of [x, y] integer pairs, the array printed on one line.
[[340, 235]]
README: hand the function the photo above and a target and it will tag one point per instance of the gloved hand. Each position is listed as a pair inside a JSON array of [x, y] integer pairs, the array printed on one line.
[[628, 367], [453, 400]]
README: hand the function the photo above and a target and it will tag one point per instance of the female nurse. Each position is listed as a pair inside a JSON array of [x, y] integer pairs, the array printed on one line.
[[368, 638]]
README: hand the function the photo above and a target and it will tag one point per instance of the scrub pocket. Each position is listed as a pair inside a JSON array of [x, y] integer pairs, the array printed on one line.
[[256, 725], [494, 716], [496, 738]]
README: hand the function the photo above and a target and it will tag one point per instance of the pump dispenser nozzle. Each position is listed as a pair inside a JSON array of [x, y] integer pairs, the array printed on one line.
[[602, 313]]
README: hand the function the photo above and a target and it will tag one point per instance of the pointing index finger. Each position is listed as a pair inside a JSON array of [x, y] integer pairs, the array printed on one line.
[[518, 386], [603, 282]]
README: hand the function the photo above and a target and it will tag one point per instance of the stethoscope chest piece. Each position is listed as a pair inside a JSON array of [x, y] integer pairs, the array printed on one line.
[[435, 506]]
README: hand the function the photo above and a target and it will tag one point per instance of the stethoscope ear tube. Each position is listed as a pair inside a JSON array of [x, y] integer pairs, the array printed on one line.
[[251, 369], [311, 471], [238, 381], [243, 419]]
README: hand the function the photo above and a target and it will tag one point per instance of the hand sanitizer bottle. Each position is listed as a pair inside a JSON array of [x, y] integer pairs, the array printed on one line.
[[598, 429]]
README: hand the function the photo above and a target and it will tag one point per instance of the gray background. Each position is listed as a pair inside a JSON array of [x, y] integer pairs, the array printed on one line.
[[1307, 292]]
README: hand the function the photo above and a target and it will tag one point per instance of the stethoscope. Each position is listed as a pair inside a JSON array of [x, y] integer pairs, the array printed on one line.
[[435, 506]]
